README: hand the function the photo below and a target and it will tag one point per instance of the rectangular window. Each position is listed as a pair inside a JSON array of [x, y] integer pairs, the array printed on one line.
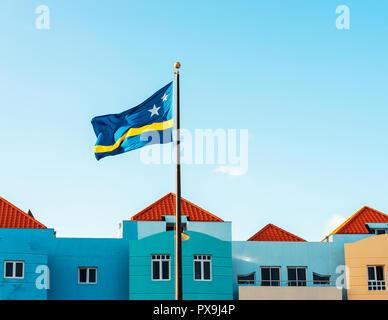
[[376, 279], [246, 279], [296, 276], [202, 267], [320, 279], [160, 265], [14, 269], [380, 231], [87, 275], [270, 276]]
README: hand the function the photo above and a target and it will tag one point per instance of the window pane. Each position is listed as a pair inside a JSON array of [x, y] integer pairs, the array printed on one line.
[[165, 270], [318, 279], [155, 270], [19, 269], [246, 279], [380, 273], [265, 274], [206, 270], [275, 277], [197, 270], [82, 275], [92, 275], [265, 277], [291, 276], [301, 273], [9, 269], [371, 273]]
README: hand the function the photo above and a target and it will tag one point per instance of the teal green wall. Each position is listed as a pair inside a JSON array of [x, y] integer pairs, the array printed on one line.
[[142, 287]]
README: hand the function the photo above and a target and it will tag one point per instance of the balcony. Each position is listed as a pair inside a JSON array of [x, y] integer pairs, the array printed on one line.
[[290, 290]]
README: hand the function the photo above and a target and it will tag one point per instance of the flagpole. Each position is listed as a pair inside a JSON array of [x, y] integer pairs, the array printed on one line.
[[178, 227]]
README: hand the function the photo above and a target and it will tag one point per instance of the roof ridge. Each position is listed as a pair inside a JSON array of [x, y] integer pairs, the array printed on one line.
[[270, 225], [21, 211], [198, 207], [189, 206], [150, 206], [352, 217]]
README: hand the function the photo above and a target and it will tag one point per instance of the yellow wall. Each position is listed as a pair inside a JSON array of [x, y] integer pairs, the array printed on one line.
[[358, 255]]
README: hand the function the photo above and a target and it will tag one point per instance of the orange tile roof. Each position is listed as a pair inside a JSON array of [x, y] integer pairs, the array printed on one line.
[[166, 206], [273, 233], [13, 217], [356, 223]]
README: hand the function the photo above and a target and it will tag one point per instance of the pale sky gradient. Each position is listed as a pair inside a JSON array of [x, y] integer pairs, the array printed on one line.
[[314, 100]]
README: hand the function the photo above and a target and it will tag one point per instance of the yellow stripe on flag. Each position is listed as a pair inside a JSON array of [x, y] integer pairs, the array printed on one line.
[[134, 132]]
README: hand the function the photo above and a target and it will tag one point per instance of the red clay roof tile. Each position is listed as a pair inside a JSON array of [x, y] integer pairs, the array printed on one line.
[[166, 206], [273, 233], [13, 217], [356, 223]]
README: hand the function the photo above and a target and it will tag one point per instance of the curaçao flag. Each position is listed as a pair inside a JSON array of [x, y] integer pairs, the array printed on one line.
[[148, 123]]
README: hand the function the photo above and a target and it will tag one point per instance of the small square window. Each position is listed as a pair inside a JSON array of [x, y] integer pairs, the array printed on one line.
[[202, 267], [160, 267], [87, 275], [14, 269], [376, 279]]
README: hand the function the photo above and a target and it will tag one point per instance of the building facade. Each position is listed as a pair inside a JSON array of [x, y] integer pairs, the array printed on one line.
[[350, 263]]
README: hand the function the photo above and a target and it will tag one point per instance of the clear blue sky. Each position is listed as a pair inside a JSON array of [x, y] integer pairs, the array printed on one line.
[[314, 99]]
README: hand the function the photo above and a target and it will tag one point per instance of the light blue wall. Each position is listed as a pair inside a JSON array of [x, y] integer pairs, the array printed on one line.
[[111, 258], [319, 257], [142, 287], [63, 256], [30, 246], [219, 230], [134, 230]]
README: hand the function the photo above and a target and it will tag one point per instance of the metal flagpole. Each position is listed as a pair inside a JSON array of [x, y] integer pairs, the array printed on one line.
[[178, 227]]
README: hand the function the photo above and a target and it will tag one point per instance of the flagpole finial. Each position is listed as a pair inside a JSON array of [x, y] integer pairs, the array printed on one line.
[[177, 65]]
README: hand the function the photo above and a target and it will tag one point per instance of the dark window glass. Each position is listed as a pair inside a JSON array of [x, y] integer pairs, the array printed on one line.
[[82, 275], [19, 269], [165, 270], [301, 273], [275, 277], [371, 273], [92, 275], [170, 226], [197, 270], [206, 270], [319, 279], [155, 270], [9, 269], [380, 273], [265, 276], [291, 276], [380, 231], [246, 279]]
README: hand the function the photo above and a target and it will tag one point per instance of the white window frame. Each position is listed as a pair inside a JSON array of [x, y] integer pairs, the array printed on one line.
[[376, 283], [14, 262], [160, 257], [297, 280], [87, 275], [379, 229], [195, 258], [270, 281]]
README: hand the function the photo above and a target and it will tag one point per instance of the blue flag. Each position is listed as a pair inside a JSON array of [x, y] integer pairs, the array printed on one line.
[[148, 123]]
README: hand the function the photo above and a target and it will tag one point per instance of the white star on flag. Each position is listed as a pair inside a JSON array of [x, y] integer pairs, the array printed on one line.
[[154, 110], [164, 98]]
